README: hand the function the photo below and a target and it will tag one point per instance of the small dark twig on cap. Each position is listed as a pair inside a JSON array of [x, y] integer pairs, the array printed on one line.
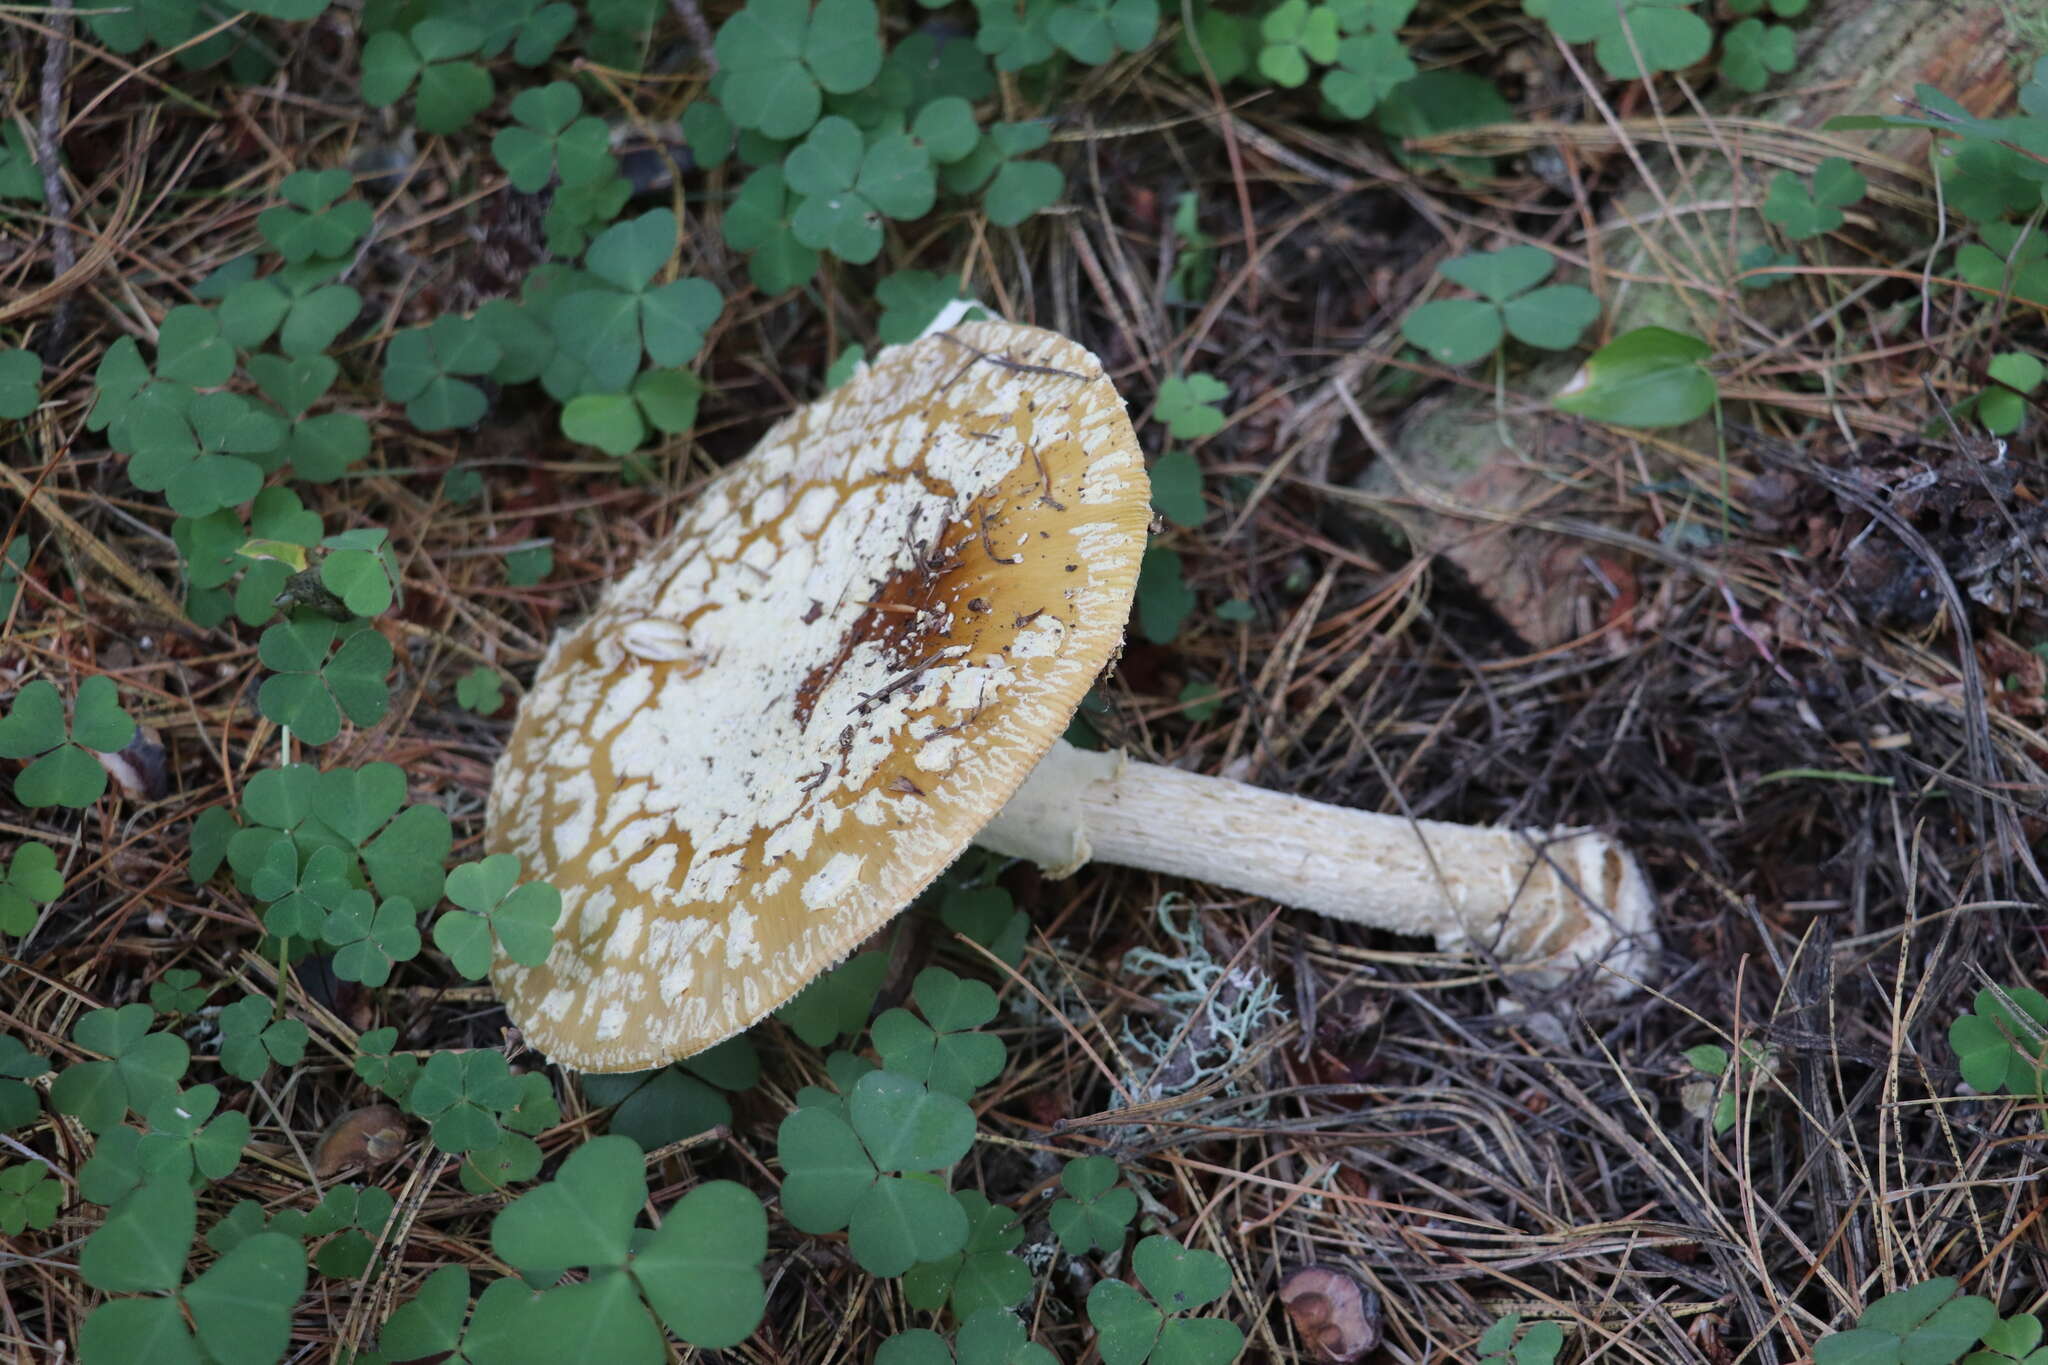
[[1009, 364]]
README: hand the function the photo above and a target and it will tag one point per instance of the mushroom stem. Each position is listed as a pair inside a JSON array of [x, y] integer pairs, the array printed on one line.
[[1562, 897]]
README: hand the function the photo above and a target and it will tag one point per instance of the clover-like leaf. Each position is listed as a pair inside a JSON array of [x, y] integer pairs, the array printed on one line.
[[1187, 404], [1460, 331], [982, 1274], [369, 939], [758, 223], [1177, 488], [139, 1069], [463, 1095], [1369, 67], [320, 448], [189, 447], [141, 1247], [1164, 598], [1667, 34], [525, 567], [521, 917], [361, 569], [1126, 1323], [310, 223], [2001, 1046], [481, 690], [946, 129], [1296, 35], [300, 898], [1985, 181], [1802, 212], [450, 90], [907, 1127], [2006, 260], [1925, 1322], [577, 211], [1180, 1279], [849, 185], [380, 1066], [583, 1217], [354, 803], [191, 350], [902, 1220], [910, 299], [2014, 1337], [63, 772], [1130, 1328], [525, 344], [617, 423], [1012, 189], [20, 178], [422, 369], [242, 1304], [2002, 407], [1500, 275], [777, 58], [1753, 51], [1016, 35], [32, 879], [838, 1002], [989, 916], [1096, 1211], [551, 135], [311, 691], [431, 1322], [182, 1144], [29, 1198], [701, 1272], [994, 1336], [178, 992], [466, 940], [1020, 189], [670, 1103], [21, 375], [18, 1104], [826, 1169], [112, 1172], [252, 1037], [512, 1160], [944, 1053], [608, 330], [1093, 31]]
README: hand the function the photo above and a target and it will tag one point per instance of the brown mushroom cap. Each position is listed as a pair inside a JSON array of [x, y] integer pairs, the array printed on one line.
[[778, 727], [1335, 1314]]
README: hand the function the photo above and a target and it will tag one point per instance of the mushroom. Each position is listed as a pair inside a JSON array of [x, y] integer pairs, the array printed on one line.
[[361, 1137], [1335, 1314], [850, 653]]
